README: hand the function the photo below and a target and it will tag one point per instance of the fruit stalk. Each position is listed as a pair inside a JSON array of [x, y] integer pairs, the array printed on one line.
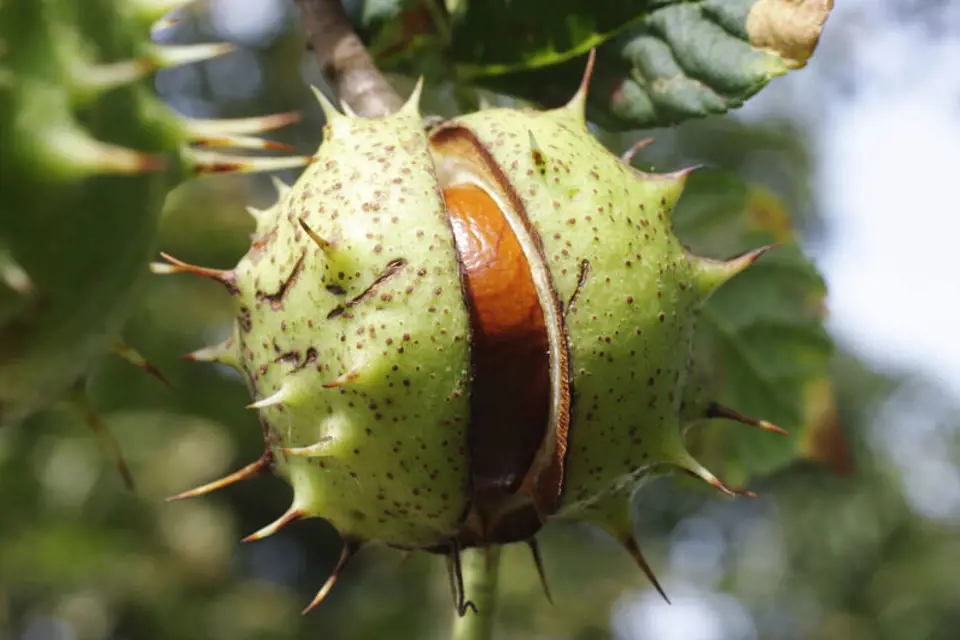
[[344, 60]]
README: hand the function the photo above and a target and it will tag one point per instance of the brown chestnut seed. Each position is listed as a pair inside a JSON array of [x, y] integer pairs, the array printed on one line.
[[510, 404]]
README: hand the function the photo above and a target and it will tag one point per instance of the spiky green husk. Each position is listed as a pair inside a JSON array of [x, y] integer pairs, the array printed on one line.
[[329, 347], [353, 332], [88, 154]]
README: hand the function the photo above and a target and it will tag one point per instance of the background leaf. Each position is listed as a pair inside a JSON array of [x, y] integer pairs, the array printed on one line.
[[660, 62], [761, 345]]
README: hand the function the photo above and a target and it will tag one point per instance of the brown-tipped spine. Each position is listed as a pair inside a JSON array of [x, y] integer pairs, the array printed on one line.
[[80, 402], [534, 547], [226, 278], [630, 544], [291, 515], [578, 102], [635, 148], [350, 548], [131, 355], [252, 470], [717, 410], [324, 245]]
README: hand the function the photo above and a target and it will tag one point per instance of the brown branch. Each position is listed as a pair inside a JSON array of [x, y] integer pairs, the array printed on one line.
[[345, 61]]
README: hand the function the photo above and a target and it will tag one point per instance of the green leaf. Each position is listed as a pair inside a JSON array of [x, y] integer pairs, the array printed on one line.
[[761, 345], [659, 62]]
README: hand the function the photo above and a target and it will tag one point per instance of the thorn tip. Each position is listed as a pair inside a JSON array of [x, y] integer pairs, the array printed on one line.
[[412, 105], [291, 515], [635, 148], [174, 266], [81, 404], [131, 355], [350, 548], [633, 549], [717, 410], [578, 103], [209, 162], [252, 470], [288, 392], [325, 245], [176, 55], [200, 127], [319, 449], [709, 275], [538, 561], [329, 111]]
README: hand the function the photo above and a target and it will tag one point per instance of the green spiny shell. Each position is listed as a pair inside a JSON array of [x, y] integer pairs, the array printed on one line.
[[353, 329], [624, 280], [329, 328], [88, 154]]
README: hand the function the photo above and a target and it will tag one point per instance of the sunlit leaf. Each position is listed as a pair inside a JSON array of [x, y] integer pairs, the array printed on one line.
[[659, 61]]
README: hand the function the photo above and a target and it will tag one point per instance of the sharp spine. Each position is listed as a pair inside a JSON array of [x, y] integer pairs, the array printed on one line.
[[241, 142], [281, 187], [163, 23], [674, 178], [709, 275], [320, 449], [412, 105], [350, 548], [330, 112], [175, 55], [534, 547], [80, 403], [345, 107], [717, 410], [669, 185], [292, 515], [325, 245], [14, 276], [131, 355], [223, 353], [252, 470], [85, 155], [637, 146], [173, 266], [630, 544], [690, 466], [345, 379], [288, 393], [616, 521], [239, 126], [103, 77], [578, 103], [204, 162]]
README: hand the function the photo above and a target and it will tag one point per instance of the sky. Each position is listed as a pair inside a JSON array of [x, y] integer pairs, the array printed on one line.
[[885, 131], [889, 182]]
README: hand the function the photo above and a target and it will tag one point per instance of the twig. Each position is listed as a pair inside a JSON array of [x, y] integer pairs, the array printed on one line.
[[345, 61], [480, 572]]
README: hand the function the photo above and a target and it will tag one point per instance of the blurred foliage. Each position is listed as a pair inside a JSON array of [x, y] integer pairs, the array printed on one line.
[[870, 555], [761, 345]]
